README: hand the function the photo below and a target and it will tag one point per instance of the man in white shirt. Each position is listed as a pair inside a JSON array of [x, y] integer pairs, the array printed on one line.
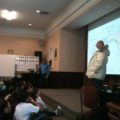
[[96, 70], [24, 108]]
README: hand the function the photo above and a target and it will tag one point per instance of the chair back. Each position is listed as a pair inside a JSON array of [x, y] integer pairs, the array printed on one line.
[[89, 96]]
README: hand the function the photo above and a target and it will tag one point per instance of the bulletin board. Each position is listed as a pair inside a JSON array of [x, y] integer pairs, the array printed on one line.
[[7, 65], [26, 63]]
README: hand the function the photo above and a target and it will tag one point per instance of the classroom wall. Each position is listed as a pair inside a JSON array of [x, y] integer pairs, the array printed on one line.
[[70, 50], [69, 65], [53, 41], [20, 45]]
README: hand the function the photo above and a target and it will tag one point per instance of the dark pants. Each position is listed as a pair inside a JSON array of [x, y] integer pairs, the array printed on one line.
[[41, 116], [98, 84], [43, 81]]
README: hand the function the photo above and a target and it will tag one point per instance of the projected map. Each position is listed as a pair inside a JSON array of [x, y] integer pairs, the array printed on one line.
[[110, 34]]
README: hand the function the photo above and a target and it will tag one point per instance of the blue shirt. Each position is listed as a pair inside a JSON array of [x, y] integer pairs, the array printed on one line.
[[45, 69]]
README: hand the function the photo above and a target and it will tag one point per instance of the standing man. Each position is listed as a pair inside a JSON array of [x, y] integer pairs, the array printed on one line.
[[96, 71], [44, 72]]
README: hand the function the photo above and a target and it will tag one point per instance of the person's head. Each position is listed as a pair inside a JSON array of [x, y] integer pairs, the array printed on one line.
[[34, 94], [100, 45], [44, 61], [4, 106], [21, 96]]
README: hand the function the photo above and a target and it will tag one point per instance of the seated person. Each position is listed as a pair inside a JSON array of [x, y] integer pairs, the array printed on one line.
[[35, 94], [5, 110], [27, 106]]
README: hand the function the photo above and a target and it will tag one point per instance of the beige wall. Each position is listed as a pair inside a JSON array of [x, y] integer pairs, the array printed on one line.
[[70, 47], [71, 50], [20, 45], [53, 41]]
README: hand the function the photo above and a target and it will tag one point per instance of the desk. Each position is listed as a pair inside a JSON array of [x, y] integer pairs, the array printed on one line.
[[114, 110]]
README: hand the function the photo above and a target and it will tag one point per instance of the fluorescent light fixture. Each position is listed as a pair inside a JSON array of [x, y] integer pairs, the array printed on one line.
[[9, 15]]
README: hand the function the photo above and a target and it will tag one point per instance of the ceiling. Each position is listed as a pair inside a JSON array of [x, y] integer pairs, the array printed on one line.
[[27, 12], [103, 8], [70, 14]]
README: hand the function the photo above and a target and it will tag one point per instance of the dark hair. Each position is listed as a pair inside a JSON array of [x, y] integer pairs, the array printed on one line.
[[101, 41], [33, 93], [3, 104], [21, 96]]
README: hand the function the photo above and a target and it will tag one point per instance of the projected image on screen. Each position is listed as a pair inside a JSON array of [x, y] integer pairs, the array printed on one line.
[[110, 34]]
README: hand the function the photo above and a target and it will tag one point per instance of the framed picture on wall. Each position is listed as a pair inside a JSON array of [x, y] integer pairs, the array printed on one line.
[[55, 54], [10, 51], [51, 56]]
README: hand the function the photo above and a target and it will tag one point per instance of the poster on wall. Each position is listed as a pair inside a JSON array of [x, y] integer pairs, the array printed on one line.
[[10, 51], [26, 63], [51, 56], [55, 54]]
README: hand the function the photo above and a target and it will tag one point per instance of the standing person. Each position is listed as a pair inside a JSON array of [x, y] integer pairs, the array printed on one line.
[[96, 71], [44, 72]]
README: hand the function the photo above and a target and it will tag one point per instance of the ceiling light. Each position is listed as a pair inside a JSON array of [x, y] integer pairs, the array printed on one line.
[[30, 24], [37, 11], [9, 15]]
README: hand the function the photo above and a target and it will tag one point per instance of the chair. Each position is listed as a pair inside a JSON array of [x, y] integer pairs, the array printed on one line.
[[89, 96]]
